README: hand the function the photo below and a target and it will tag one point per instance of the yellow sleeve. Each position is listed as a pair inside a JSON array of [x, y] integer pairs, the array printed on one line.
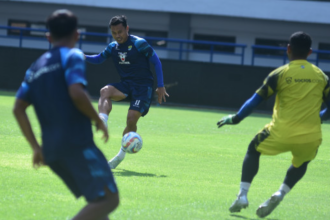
[[269, 86]]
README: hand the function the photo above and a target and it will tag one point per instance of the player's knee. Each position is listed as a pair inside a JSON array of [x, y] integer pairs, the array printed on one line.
[[252, 149], [106, 92]]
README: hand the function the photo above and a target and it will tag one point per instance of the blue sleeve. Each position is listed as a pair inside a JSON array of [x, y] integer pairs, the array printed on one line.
[[325, 113], [95, 59], [144, 48], [101, 57], [75, 68], [158, 67], [24, 92], [249, 106]]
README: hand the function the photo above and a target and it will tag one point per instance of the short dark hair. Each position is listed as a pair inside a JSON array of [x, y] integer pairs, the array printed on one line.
[[300, 44], [62, 23], [118, 19]]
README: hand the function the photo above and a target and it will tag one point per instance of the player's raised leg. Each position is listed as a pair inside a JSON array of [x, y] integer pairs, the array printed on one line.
[[131, 125], [107, 94]]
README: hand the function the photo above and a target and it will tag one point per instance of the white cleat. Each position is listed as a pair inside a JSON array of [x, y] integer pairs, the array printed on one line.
[[240, 203], [114, 162], [267, 207]]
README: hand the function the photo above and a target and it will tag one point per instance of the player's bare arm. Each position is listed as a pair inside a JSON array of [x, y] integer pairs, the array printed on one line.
[[25, 125], [81, 100], [161, 92]]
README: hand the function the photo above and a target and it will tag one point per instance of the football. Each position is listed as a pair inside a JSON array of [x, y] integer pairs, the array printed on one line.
[[132, 142]]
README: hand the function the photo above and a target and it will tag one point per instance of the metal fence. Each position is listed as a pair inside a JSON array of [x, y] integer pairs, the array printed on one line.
[[179, 46], [173, 45], [284, 57]]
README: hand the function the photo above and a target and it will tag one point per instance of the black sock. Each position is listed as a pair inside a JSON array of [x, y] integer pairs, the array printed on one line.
[[293, 174]]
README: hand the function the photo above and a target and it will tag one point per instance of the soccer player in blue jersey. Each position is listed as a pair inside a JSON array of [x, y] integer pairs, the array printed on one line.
[[132, 57], [55, 86]]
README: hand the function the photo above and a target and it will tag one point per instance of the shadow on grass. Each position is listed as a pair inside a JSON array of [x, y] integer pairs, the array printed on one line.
[[123, 172], [243, 217]]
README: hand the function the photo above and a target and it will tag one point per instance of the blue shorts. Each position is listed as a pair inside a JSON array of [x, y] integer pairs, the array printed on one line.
[[140, 96], [86, 173]]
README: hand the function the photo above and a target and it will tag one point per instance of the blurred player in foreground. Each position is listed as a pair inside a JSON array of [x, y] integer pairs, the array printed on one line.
[[55, 86], [296, 126], [132, 57]]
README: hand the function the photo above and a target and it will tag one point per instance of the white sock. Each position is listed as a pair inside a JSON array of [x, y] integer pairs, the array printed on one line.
[[121, 154], [284, 188], [244, 188], [104, 116]]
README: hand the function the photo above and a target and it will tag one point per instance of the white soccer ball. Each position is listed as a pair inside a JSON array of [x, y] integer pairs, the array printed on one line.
[[132, 142]]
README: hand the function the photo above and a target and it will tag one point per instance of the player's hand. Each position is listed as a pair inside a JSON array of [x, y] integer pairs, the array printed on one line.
[[100, 126], [161, 92], [228, 120], [38, 159]]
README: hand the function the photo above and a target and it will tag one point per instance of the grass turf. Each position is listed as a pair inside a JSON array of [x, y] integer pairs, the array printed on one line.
[[187, 169]]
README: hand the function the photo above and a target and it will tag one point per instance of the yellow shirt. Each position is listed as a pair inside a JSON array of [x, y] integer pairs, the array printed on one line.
[[301, 88]]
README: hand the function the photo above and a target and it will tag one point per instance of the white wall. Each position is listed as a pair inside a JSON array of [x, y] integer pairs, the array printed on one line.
[[246, 30]]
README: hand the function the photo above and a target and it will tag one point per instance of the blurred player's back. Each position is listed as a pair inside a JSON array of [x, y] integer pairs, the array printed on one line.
[[61, 122]]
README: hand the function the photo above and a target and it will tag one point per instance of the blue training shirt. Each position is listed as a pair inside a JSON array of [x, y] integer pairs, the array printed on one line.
[[132, 60], [64, 128]]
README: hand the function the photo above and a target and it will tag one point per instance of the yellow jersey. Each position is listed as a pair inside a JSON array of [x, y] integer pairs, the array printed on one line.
[[300, 89]]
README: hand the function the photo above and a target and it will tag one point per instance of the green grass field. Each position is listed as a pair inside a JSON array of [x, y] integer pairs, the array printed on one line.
[[187, 169]]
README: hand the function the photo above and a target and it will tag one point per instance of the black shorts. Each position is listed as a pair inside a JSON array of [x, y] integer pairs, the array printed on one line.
[[140, 96], [86, 173]]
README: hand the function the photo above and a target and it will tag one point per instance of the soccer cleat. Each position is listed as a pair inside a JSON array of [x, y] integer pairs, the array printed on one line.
[[114, 162], [240, 203], [267, 207]]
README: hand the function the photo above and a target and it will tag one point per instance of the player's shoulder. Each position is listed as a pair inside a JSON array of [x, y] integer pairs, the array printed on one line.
[[138, 41], [319, 72], [113, 44], [279, 70], [75, 53], [317, 69], [135, 38], [71, 55]]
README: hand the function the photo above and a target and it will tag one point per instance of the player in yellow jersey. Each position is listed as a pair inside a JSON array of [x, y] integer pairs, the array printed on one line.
[[300, 89]]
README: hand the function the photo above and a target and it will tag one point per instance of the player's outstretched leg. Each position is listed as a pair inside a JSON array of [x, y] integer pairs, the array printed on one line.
[[293, 175], [107, 94], [249, 170], [114, 162], [131, 125]]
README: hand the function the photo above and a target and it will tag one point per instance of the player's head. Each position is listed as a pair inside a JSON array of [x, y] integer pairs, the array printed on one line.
[[62, 26], [119, 28], [299, 46]]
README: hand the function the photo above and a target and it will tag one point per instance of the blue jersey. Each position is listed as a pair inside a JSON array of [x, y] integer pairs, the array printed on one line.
[[64, 128], [131, 59]]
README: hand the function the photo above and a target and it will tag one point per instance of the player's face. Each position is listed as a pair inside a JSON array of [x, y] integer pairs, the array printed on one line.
[[119, 33]]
